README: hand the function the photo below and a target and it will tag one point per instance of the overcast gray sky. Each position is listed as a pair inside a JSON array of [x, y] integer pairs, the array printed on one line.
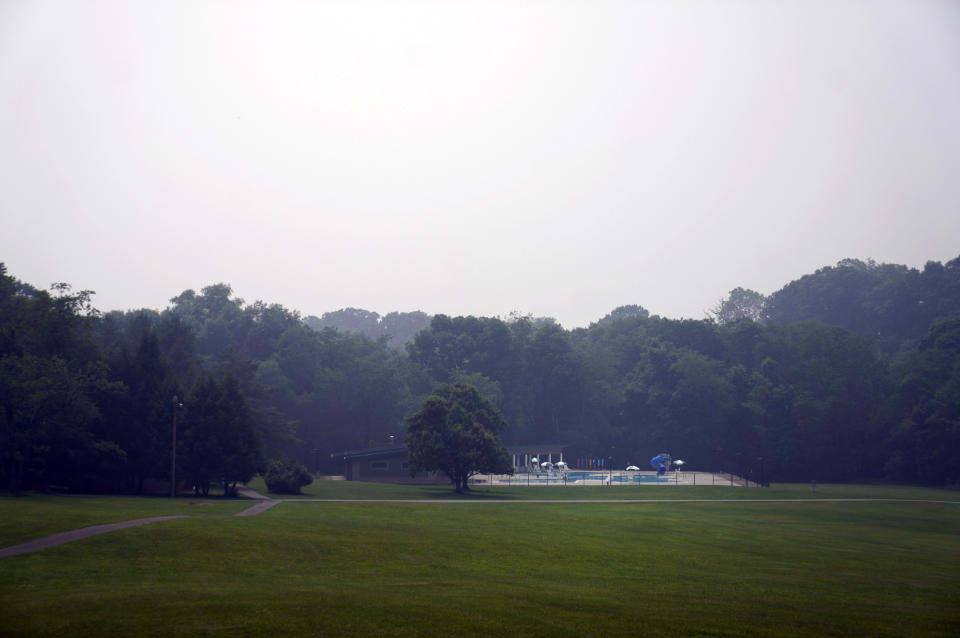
[[476, 156]]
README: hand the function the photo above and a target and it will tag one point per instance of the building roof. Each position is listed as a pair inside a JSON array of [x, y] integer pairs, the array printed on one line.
[[401, 450], [536, 448]]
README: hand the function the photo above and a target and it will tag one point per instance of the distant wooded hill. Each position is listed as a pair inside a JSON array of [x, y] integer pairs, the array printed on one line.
[[892, 303], [398, 328]]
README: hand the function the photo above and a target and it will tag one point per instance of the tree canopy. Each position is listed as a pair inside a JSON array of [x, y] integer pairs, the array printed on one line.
[[848, 373], [456, 432]]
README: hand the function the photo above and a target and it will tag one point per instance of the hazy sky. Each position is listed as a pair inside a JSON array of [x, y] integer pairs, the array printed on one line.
[[474, 157]]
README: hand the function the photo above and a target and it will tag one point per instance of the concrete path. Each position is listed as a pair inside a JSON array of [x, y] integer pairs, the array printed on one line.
[[76, 534], [484, 501], [265, 502], [259, 508], [249, 493], [53, 540]]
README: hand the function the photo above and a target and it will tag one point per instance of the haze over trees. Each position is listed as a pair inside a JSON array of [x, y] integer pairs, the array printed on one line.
[[398, 328], [852, 372]]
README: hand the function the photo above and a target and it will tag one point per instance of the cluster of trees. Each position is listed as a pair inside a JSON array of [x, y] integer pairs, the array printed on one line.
[[852, 372], [87, 399], [806, 397]]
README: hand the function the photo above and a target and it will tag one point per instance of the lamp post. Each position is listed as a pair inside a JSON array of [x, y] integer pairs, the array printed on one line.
[[173, 448]]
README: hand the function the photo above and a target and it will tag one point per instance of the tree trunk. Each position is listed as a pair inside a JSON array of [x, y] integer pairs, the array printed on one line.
[[15, 478]]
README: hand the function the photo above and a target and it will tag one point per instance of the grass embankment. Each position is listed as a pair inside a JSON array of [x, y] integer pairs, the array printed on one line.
[[519, 569], [30, 515]]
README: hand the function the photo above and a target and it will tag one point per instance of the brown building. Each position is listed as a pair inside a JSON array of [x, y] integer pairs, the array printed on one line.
[[383, 465]]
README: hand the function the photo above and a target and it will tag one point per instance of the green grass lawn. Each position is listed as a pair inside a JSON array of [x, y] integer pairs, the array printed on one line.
[[359, 490], [513, 569]]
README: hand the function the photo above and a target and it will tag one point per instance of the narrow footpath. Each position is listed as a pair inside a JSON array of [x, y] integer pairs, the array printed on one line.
[[263, 504], [76, 534]]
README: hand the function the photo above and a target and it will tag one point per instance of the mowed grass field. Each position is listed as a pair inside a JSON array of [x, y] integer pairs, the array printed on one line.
[[511, 568], [344, 490]]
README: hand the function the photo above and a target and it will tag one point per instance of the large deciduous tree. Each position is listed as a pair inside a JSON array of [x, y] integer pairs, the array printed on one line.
[[456, 432]]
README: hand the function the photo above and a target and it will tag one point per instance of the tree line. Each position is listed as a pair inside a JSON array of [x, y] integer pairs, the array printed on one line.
[[850, 373]]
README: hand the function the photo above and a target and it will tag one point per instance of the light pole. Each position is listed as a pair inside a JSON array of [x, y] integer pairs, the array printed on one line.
[[173, 449]]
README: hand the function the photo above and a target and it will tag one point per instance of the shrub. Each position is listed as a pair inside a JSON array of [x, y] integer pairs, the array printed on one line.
[[286, 476]]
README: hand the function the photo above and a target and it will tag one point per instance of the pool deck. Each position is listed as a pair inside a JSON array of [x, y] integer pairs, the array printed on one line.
[[601, 477]]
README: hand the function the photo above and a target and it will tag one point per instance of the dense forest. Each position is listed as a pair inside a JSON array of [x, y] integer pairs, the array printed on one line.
[[849, 373]]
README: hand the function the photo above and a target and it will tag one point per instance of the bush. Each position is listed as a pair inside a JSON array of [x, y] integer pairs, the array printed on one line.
[[286, 476]]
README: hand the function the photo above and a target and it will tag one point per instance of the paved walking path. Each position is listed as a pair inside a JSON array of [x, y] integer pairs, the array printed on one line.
[[265, 502], [77, 534], [53, 540], [479, 501], [249, 493]]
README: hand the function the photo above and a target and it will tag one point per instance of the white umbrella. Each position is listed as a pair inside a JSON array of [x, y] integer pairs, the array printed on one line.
[[546, 464], [561, 464], [678, 462], [632, 467]]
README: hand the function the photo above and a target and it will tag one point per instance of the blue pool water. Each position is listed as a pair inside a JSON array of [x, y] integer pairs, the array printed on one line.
[[641, 478], [618, 478]]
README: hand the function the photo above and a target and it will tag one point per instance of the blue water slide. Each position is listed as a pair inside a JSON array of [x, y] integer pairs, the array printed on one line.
[[660, 463]]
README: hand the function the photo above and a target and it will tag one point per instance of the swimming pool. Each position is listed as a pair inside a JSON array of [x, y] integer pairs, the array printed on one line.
[[578, 478], [617, 478]]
